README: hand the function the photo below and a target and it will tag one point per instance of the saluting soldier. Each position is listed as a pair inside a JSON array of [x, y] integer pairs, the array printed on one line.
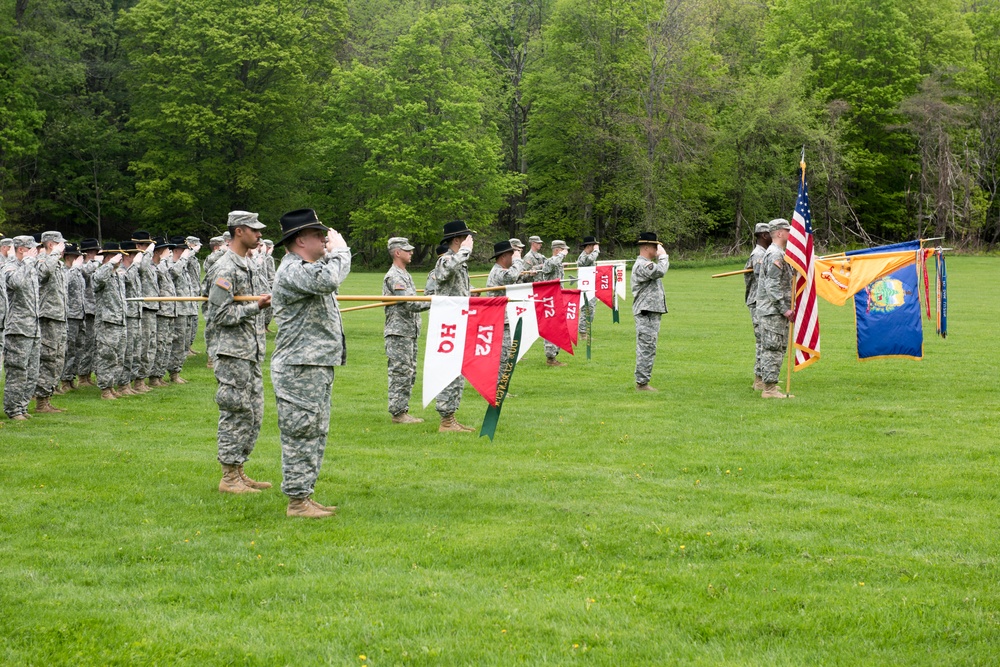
[[648, 305], [75, 323], [762, 238], [452, 275], [179, 346], [308, 347], [506, 270], [402, 328], [552, 269], [21, 333], [89, 247], [133, 319], [109, 292], [51, 319], [430, 285], [590, 250], [194, 281], [166, 315], [238, 349], [774, 307], [150, 284]]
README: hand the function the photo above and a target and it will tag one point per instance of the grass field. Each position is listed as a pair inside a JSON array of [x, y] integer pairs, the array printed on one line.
[[857, 524]]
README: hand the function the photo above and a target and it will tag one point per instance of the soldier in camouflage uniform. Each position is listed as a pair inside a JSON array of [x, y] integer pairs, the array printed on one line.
[[238, 349], [150, 286], [552, 269], [402, 329], [3, 295], [430, 285], [179, 346], [505, 271], [75, 323], [762, 240], [452, 275], [590, 250], [165, 316], [194, 282], [51, 319], [267, 261], [774, 307], [133, 319], [21, 333], [648, 305], [218, 250], [308, 346], [89, 247], [533, 261], [109, 292]]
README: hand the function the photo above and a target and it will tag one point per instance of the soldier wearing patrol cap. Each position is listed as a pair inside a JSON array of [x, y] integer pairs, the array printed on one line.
[[21, 334], [308, 347], [533, 260], [648, 304], [762, 237], [89, 247], [51, 319], [552, 269], [774, 307], [452, 275], [238, 347], [75, 323], [402, 328]]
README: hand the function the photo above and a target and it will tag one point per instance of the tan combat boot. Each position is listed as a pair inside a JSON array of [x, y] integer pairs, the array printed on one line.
[[44, 406], [85, 381], [108, 394], [552, 361], [156, 382], [758, 383], [139, 386], [771, 391], [232, 482], [252, 483], [176, 378], [60, 389], [304, 508], [19, 418], [406, 418], [450, 425], [332, 509], [125, 390], [644, 387]]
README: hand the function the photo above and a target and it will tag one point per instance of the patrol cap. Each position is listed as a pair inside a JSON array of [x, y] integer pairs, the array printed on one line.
[[6, 242], [267, 242], [534, 239], [778, 223], [226, 237], [25, 242], [244, 219], [400, 242], [71, 249], [761, 228], [516, 243], [215, 241], [559, 244], [52, 237], [193, 239]]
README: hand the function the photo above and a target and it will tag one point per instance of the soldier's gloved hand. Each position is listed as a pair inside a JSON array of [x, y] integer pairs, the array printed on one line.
[[78, 262], [264, 301], [789, 315], [115, 259]]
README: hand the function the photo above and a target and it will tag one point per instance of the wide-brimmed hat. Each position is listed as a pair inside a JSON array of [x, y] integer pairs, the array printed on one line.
[[177, 241], [89, 244], [71, 249], [129, 247], [648, 237], [141, 236], [110, 248], [296, 221], [455, 228], [588, 240], [778, 223], [501, 248], [244, 219]]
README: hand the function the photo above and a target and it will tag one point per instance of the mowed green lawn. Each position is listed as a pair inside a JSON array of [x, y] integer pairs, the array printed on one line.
[[856, 524]]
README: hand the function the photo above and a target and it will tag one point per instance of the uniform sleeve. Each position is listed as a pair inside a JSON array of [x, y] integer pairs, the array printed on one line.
[[225, 310], [448, 265], [772, 272]]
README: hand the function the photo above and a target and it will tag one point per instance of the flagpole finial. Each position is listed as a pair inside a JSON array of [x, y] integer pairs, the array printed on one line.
[[802, 163]]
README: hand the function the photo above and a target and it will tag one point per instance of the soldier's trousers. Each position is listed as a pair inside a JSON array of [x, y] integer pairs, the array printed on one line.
[[756, 335], [20, 362], [240, 398], [504, 348], [647, 333], [450, 397], [774, 341], [192, 331], [402, 354], [164, 341], [178, 344], [89, 345], [586, 318], [551, 350], [52, 356], [148, 343], [303, 402], [75, 334], [133, 331], [110, 353]]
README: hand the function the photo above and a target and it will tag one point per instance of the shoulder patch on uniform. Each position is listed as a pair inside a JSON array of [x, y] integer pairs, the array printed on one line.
[[224, 284], [398, 286], [778, 263]]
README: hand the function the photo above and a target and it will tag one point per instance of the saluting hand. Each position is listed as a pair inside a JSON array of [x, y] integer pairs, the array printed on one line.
[[78, 262], [517, 255], [334, 240], [467, 242], [115, 259]]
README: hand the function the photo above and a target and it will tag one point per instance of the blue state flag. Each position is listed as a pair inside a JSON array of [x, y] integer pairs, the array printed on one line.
[[887, 313]]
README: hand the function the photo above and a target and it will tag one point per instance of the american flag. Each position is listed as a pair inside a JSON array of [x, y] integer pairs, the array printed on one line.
[[799, 253]]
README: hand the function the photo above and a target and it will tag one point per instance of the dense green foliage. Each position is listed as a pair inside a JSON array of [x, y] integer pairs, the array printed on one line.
[[558, 117], [853, 525]]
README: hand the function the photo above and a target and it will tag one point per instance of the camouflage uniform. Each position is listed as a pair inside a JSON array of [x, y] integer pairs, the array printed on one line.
[[774, 298], [452, 275], [193, 281], [184, 310], [238, 348], [402, 328], [109, 291], [148, 344], [552, 269], [75, 324], [501, 276], [206, 284], [648, 307], [309, 344], [751, 279], [533, 261], [587, 309], [133, 326], [165, 316], [51, 322], [21, 336], [89, 345]]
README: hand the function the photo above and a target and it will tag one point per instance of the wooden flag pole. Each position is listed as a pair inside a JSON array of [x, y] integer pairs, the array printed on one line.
[[791, 356], [381, 304], [733, 273]]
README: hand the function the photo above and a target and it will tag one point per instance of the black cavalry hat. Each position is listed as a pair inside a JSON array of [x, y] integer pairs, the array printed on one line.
[[501, 247], [141, 236], [294, 222], [89, 244], [71, 249], [588, 240], [129, 247], [162, 242], [648, 237], [455, 228], [110, 248], [176, 241]]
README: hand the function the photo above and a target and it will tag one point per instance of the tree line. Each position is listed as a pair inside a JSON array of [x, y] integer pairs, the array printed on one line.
[[554, 117]]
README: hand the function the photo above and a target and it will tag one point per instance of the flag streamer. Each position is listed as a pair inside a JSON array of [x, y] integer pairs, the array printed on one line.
[[507, 366]]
